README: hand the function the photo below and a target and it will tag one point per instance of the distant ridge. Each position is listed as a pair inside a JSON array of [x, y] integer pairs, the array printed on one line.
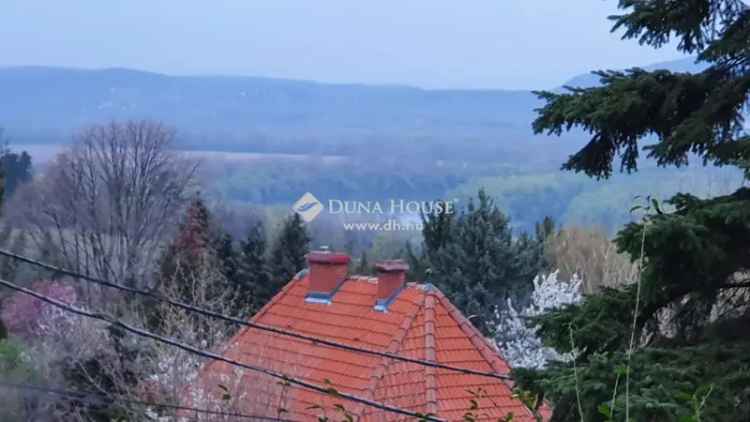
[[689, 65], [58, 100], [46, 104]]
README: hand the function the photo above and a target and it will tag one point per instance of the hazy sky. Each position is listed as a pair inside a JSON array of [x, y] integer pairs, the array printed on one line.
[[428, 43]]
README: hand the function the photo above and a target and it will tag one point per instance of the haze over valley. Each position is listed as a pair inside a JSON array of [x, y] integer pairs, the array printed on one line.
[[265, 142]]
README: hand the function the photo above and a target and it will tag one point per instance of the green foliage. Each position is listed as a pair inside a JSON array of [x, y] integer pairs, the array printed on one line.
[[667, 384], [390, 244], [599, 324], [253, 275], [363, 267], [16, 169], [574, 199], [200, 264], [223, 245], [691, 360], [283, 181], [183, 257], [418, 263], [15, 367], [688, 113], [527, 198], [475, 260], [198, 241], [289, 250], [13, 363], [687, 268]]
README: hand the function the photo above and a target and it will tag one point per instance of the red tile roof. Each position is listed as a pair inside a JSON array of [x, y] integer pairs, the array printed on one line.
[[420, 323]]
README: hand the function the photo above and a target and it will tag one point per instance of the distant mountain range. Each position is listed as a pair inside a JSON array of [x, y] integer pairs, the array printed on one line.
[[684, 65], [45, 104]]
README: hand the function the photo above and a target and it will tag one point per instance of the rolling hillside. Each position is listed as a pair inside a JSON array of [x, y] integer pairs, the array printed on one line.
[[251, 114]]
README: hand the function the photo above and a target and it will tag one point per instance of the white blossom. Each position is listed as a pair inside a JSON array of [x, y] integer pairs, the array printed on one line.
[[517, 339]]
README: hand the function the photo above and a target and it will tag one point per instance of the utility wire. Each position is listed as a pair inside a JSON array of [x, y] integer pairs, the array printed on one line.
[[92, 397], [233, 320], [213, 356]]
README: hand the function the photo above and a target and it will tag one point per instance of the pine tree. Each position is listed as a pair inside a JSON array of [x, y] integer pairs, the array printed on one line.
[[476, 262], [16, 169], [289, 250], [198, 243], [195, 269], [190, 247], [225, 253], [418, 263], [545, 229], [364, 267], [690, 360], [255, 286]]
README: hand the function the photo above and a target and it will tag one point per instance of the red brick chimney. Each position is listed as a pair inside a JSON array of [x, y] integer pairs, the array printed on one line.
[[328, 271], [391, 279]]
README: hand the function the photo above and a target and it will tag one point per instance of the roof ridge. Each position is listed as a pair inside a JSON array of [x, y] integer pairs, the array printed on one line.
[[479, 341], [262, 311], [283, 292], [488, 353], [430, 353], [395, 345]]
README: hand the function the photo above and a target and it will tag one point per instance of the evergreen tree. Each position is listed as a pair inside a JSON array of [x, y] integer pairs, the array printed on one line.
[[16, 169], [190, 247], [199, 243], [364, 267], [476, 262], [690, 360], [418, 263], [253, 276], [195, 269], [225, 253], [289, 250], [436, 229], [545, 229]]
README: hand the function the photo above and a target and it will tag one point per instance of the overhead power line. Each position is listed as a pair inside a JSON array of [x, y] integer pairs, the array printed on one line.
[[267, 328], [92, 397], [213, 356]]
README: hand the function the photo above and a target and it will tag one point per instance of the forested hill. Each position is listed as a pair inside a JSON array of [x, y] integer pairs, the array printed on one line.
[[44, 104], [57, 99]]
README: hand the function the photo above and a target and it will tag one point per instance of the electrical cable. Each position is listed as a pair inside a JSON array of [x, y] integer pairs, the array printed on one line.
[[210, 355], [233, 320]]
